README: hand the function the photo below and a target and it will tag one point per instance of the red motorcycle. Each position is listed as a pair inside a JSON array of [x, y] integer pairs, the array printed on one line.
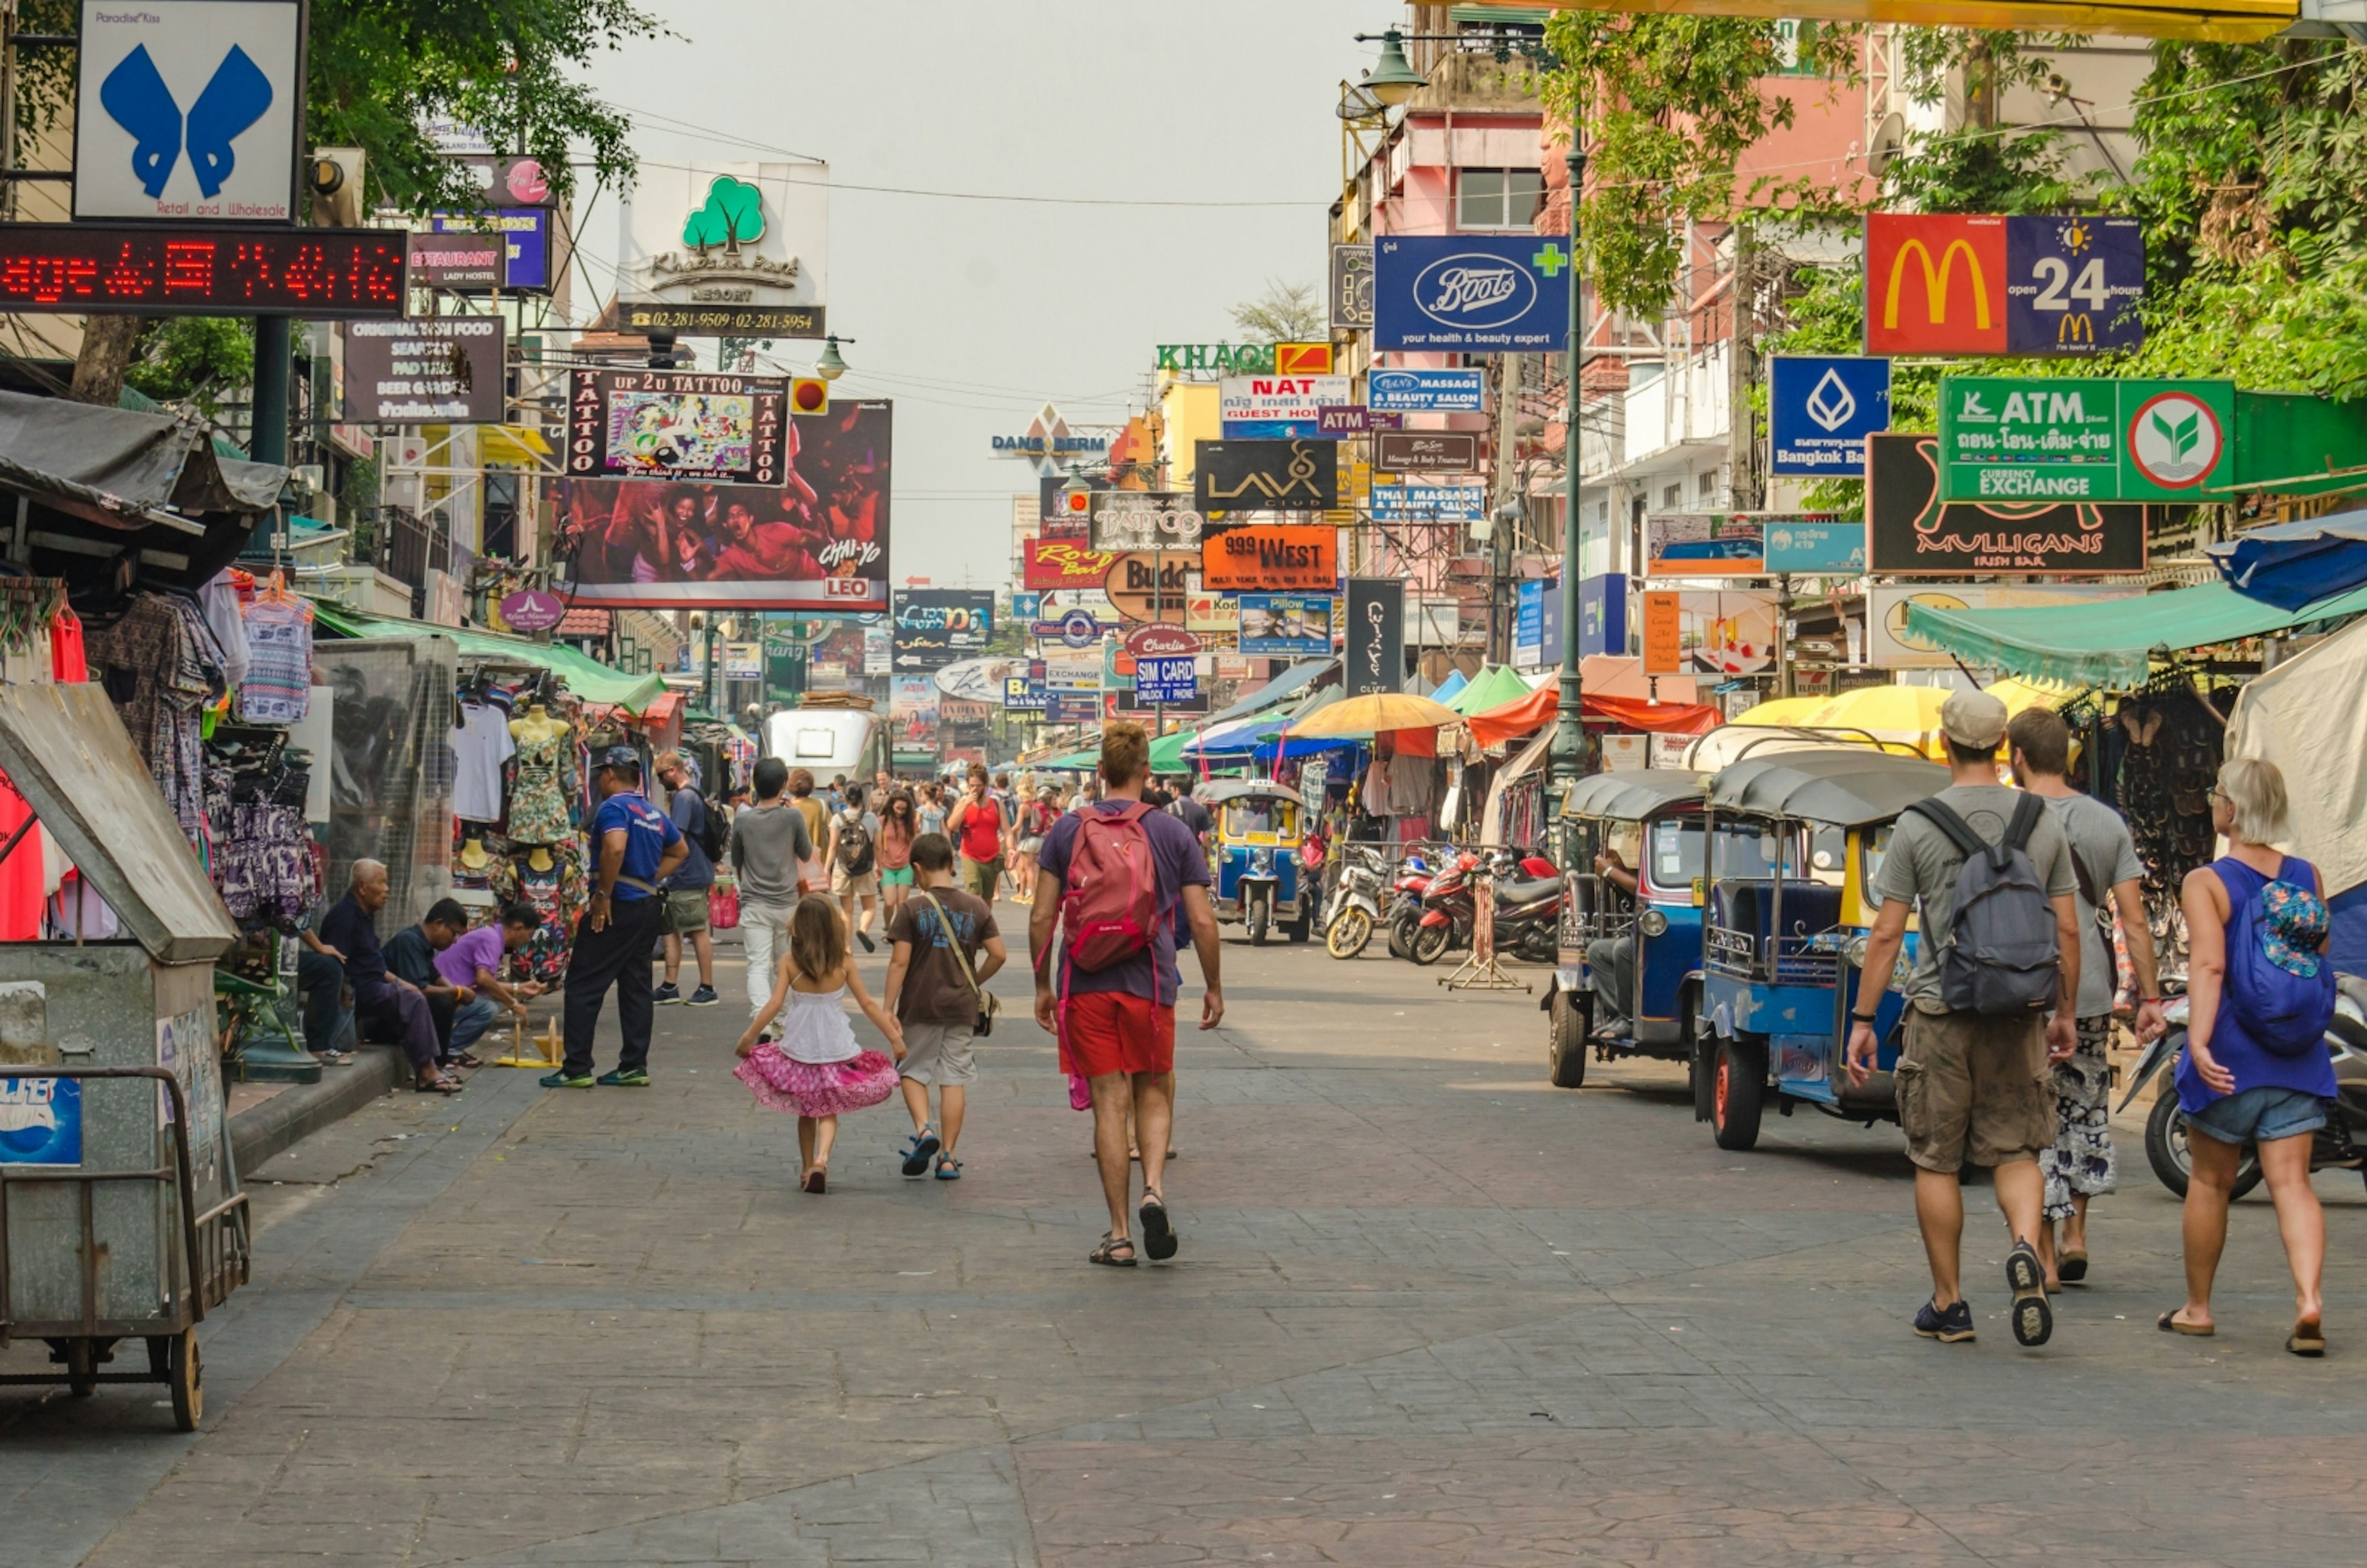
[[1405, 904], [1528, 895]]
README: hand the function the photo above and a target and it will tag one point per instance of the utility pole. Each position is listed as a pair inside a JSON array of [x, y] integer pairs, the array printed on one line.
[[1504, 515], [1741, 375], [1568, 754]]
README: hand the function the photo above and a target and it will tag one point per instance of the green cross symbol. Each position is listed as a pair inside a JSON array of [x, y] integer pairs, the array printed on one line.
[[1549, 261]]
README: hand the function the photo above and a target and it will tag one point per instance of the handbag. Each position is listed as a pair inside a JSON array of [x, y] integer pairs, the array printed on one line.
[[723, 905], [988, 1006]]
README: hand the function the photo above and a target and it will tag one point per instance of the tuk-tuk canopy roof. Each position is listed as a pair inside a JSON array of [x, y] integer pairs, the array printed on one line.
[[1631, 797], [67, 754], [1237, 789], [1847, 786]]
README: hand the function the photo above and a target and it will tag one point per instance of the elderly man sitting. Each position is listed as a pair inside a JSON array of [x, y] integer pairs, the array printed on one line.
[[386, 1008]]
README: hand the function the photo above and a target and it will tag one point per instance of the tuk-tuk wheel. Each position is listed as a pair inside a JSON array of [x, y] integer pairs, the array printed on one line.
[[1259, 916], [1566, 1041], [1299, 928], [1737, 1094], [187, 1381], [82, 1368]]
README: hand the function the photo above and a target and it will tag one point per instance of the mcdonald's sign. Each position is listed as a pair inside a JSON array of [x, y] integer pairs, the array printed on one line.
[[1935, 283]]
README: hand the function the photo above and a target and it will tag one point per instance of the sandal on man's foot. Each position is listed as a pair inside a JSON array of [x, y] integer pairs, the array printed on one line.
[[1157, 1235], [437, 1086], [1115, 1250], [948, 1169], [817, 1180], [2032, 1317], [2168, 1323], [2308, 1338], [918, 1150]]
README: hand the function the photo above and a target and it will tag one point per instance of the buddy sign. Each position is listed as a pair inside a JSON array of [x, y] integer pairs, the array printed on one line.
[[2019, 438]]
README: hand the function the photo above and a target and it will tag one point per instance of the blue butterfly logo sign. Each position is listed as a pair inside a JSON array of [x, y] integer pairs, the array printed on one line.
[[213, 80], [135, 97]]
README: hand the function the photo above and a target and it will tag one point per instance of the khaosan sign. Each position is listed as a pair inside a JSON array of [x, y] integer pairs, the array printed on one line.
[[1911, 531], [192, 110], [1471, 293], [1953, 283], [2044, 438], [711, 249]]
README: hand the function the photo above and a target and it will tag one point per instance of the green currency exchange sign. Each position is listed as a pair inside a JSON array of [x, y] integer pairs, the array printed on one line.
[[2052, 439]]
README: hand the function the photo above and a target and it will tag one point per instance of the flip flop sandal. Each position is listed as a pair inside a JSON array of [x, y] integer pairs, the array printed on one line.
[[817, 1180], [2073, 1266], [467, 1059], [2168, 1323], [1157, 1235], [2308, 1338], [1107, 1252], [918, 1149], [441, 1086]]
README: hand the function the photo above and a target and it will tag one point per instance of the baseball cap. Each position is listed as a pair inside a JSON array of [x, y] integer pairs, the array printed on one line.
[[1973, 720], [626, 756]]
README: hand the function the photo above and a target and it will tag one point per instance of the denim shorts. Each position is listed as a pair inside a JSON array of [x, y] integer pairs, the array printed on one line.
[[2259, 1115]]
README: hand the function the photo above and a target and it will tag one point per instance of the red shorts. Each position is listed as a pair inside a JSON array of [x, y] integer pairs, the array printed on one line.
[[1114, 1031]]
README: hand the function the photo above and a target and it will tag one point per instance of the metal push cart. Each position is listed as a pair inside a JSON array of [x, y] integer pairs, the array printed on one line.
[[121, 1213]]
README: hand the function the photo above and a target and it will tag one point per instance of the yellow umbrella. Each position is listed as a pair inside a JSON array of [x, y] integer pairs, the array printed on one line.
[[1375, 712], [1781, 711], [2017, 694], [1908, 714]]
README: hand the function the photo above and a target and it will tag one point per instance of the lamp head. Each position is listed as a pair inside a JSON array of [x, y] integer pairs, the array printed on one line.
[[1392, 81], [830, 367]]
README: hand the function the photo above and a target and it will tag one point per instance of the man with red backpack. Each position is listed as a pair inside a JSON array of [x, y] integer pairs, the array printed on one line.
[[1113, 875]]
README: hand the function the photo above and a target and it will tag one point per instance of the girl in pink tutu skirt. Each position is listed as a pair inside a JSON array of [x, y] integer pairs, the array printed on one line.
[[815, 1067]]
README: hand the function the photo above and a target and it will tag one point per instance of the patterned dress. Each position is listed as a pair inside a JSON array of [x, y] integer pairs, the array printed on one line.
[[538, 799]]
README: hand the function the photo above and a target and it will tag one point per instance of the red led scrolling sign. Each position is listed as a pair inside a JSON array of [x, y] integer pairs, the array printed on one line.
[[319, 274]]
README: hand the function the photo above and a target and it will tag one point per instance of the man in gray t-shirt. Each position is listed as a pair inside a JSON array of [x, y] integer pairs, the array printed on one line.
[[2081, 1165], [768, 842], [1972, 1087]]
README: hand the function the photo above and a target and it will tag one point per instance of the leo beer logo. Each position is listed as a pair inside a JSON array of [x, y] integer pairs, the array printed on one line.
[[1934, 284], [1302, 359]]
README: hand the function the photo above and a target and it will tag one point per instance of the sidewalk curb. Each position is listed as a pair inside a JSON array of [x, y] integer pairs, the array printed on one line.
[[263, 1131]]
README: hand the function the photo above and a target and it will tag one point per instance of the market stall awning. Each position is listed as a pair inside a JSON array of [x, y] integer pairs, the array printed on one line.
[[1492, 688], [2293, 565], [587, 678], [2109, 642], [1289, 683], [1455, 680], [1539, 708]]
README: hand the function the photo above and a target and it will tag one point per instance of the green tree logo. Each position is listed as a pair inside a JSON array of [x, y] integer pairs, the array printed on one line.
[[2182, 434], [732, 216]]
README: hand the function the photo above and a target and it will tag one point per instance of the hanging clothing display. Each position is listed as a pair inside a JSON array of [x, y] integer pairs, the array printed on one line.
[[67, 661], [480, 744], [545, 779], [559, 896], [224, 608], [160, 664], [278, 682], [262, 858]]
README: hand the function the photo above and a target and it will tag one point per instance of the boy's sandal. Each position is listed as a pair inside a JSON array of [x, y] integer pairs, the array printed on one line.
[[1113, 1245], [917, 1150], [948, 1169]]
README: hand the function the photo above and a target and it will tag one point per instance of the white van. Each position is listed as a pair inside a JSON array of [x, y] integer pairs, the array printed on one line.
[[826, 742]]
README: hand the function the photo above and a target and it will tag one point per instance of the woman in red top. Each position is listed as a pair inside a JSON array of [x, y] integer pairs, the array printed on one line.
[[898, 828], [979, 831]]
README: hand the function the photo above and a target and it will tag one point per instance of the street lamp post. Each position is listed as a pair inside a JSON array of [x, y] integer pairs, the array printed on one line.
[[1567, 756]]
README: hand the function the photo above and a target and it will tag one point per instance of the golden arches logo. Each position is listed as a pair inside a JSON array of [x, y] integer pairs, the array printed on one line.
[[2076, 327], [1935, 284]]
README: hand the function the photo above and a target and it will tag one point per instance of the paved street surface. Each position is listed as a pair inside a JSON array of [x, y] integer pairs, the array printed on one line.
[[1428, 1311]]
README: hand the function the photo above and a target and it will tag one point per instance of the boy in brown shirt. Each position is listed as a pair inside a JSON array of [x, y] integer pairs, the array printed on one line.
[[937, 935]]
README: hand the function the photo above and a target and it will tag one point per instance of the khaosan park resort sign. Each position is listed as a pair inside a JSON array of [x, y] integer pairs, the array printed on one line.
[[718, 249]]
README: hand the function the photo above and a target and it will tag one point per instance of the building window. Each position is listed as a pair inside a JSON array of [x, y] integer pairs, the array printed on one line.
[[1498, 198], [1673, 496], [1707, 485]]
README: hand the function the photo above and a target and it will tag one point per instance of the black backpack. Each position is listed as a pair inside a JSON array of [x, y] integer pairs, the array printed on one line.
[[2000, 959], [708, 835], [854, 845]]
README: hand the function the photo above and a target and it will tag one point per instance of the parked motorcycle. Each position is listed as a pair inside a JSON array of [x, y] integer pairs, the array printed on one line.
[[2337, 1144], [1405, 904], [1528, 896], [1356, 903]]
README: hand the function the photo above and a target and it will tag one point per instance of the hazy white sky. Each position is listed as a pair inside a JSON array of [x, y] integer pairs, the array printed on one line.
[[971, 313]]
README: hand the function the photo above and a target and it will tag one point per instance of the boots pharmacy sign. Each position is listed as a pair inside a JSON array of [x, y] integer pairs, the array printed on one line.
[[1956, 284], [1471, 293], [2017, 438], [191, 111]]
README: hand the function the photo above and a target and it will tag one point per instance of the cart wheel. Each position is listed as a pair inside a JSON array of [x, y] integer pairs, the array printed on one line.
[[1349, 934], [187, 1379], [1566, 1041], [1737, 1095], [82, 1368]]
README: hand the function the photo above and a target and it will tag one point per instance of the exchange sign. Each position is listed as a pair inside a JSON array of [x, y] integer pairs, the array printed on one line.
[[2023, 438], [1471, 293], [1953, 282]]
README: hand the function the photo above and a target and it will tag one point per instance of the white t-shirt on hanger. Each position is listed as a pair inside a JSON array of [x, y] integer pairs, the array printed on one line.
[[480, 744]]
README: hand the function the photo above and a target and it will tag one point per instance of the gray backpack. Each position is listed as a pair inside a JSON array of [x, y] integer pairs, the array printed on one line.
[[2000, 959]]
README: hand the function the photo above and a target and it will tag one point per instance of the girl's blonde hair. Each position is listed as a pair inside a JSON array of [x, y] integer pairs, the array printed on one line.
[[2256, 788], [817, 937]]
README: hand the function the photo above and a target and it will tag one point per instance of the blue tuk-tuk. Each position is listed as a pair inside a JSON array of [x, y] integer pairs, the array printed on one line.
[[1794, 841], [1254, 862], [1628, 979]]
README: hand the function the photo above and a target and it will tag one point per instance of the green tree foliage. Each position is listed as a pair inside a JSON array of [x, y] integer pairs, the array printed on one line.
[[1981, 166], [193, 361], [1285, 312], [732, 214], [1670, 105]]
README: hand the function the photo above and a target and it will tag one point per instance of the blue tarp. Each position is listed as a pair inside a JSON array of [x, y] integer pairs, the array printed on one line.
[[1455, 680], [2294, 565]]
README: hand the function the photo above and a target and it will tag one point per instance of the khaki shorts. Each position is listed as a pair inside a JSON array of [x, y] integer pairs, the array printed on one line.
[[981, 876], [864, 886], [685, 912], [1975, 1090], [939, 1054]]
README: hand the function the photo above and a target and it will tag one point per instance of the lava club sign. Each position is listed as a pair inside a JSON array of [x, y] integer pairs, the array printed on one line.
[[1161, 642]]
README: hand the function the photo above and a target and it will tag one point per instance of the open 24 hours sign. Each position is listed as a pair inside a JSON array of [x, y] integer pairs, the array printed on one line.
[[2050, 438]]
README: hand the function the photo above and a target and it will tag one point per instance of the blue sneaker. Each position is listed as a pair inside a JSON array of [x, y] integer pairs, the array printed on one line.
[[669, 992], [624, 1077], [564, 1079], [1953, 1327]]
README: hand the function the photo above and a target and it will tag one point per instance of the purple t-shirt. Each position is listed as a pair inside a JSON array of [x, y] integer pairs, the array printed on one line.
[[475, 949], [1180, 862]]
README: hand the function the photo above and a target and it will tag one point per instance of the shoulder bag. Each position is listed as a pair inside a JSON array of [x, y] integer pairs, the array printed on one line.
[[987, 1003]]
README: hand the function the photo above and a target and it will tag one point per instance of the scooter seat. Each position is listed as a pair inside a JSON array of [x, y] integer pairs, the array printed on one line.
[[2351, 986], [1528, 891]]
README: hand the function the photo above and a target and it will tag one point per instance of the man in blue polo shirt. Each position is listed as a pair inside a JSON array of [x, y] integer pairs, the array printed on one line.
[[635, 846]]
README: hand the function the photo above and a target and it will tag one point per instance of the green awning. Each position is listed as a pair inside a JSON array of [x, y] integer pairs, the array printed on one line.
[[2109, 643], [1492, 688], [586, 677]]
